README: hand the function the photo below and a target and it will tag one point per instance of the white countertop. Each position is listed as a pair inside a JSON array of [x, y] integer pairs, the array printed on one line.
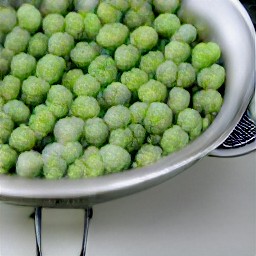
[[209, 210]]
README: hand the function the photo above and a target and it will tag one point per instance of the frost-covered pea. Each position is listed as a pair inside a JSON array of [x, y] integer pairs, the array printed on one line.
[[10, 87], [151, 61], [34, 90], [53, 23], [83, 54], [92, 25], [191, 122], [38, 45], [138, 112], [207, 120], [158, 118], [121, 137], [117, 117], [23, 65], [51, 149], [29, 17], [207, 101], [8, 158], [22, 138], [50, 68], [112, 35], [169, 6], [59, 111], [139, 136], [54, 168], [177, 51], [7, 54], [134, 79], [126, 57], [205, 54], [17, 110], [152, 91], [179, 99], [104, 69], [186, 75], [166, 73], [6, 127], [121, 5], [60, 6], [4, 67], [59, 94], [174, 139], [133, 19], [96, 131], [69, 79], [115, 158], [69, 129], [148, 154], [166, 24], [186, 33], [8, 19], [29, 164], [19, 35], [154, 139], [72, 151], [146, 12], [108, 13], [61, 44], [86, 85], [74, 24], [85, 107], [77, 170], [144, 38], [116, 94], [212, 77], [42, 121]]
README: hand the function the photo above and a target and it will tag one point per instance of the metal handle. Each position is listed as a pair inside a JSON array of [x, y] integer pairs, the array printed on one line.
[[38, 230]]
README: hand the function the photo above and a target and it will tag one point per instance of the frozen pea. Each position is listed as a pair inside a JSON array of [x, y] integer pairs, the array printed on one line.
[[104, 69], [4, 67], [116, 94], [53, 23], [139, 136], [147, 155], [96, 131], [134, 79], [50, 68], [121, 137], [158, 118], [7, 54], [22, 139], [8, 158], [205, 54], [92, 25], [60, 95], [186, 33], [138, 112], [207, 121], [29, 17], [17, 35], [86, 85], [166, 73], [166, 6], [77, 170], [112, 35], [115, 158], [6, 127], [85, 6], [177, 51], [85, 107], [151, 61], [166, 24], [10, 87], [51, 149], [179, 99], [174, 139], [144, 38], [152, 91], [154, 139], [207, 101], [191, 122], [186, 75], [146, 12], [29, 164], [117, 117], [34, 90], [60, 6], [121, 5], [8, 19], [126, 57], [38, 45], [61, 44], [72, 151], [59, 111], [212, 77], [69, 79], [108, 13], [74, 25], [17, 110], [83, 54], [133, 19]]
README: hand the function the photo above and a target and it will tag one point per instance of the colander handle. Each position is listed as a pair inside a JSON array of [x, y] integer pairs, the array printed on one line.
[[38, 230]]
